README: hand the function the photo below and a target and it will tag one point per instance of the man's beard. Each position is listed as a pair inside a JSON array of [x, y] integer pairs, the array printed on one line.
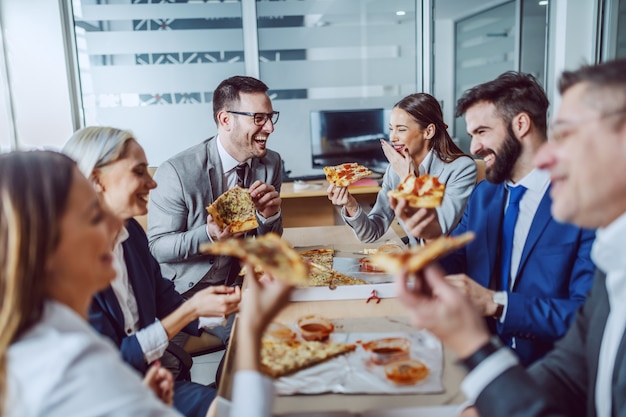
[[506, 157]]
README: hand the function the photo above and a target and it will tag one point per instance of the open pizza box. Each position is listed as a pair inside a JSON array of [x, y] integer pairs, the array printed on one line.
[[353, 317], [356, 319]]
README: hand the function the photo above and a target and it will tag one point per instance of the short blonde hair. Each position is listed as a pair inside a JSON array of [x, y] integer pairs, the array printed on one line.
[[93, 147]]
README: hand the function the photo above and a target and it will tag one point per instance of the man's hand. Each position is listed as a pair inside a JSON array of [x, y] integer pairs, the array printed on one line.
[[481, 297], [401, 163], [216, 233], [420, 223], [435, 305], [160, 381], [340, 196], [216, 301], [265, 198], [469, 412]]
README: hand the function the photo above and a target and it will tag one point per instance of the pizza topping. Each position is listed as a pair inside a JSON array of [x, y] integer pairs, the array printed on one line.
[[234, 208], [280, 358], [345, 174], [269, 252], [323, 274], [424, 191]]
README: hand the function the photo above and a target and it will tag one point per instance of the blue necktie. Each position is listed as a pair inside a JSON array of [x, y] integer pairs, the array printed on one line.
[[508, 229]]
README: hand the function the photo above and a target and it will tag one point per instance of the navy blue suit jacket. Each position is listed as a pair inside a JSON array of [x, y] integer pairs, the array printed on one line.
[[156, 298], [553, 279]]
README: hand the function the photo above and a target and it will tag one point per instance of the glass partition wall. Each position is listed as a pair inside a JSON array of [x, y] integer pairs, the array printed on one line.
[[151, 65]]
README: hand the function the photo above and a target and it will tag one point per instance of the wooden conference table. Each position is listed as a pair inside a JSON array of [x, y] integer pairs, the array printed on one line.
[[388, 315]]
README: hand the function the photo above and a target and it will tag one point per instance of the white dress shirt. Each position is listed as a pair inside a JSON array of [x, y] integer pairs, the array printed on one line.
[[536, 183], [608, 255], [253, 395], [62, 367], [153, 338]]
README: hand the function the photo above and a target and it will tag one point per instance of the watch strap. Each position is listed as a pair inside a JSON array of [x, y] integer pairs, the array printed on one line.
[[482, 353]]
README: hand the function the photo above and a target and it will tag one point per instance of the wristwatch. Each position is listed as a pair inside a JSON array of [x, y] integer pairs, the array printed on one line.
[[499, 297], [481, 354]]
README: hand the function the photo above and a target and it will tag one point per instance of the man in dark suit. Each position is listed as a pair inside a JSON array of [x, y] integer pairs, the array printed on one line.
[[585, 374], [528, 280]]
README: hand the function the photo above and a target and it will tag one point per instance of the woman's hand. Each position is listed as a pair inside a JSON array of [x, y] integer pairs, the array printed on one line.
[[401, 163], [160, 381], [340, 196], [420, 223], [216, 301]]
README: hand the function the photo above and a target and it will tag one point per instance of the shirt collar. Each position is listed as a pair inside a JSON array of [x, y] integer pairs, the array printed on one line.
[[121, 236], [423, 168], [536, 180], [228, 162], [607, 251]]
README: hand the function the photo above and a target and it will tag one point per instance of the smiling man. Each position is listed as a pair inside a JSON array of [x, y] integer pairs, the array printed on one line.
[[188, 182], [524, 271]]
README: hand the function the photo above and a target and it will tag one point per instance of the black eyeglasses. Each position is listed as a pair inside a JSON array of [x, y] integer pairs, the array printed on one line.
[[259, 118]]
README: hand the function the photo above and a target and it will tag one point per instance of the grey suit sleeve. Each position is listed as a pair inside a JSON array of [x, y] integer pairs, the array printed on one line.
[[276, 225], [514, 394], [460, 181], [170, 241], [559, 384], [370, 227]]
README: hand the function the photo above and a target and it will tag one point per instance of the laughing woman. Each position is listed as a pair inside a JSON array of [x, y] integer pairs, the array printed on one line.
[[141, 311], [419, 144], [57, 242]]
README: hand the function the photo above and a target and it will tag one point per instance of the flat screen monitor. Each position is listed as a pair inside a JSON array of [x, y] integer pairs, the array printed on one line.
[[339, 136]]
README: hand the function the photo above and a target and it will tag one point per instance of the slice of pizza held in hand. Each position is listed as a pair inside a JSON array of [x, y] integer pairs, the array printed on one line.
[[268, 252], [424, 191], [417, 257], [345, 174], [234, 208]]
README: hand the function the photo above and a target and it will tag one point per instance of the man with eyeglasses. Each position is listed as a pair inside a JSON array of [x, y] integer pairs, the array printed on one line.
[[188, 182], [585, 374]]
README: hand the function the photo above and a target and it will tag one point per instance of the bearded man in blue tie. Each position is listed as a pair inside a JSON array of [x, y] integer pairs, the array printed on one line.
[[525, 272]]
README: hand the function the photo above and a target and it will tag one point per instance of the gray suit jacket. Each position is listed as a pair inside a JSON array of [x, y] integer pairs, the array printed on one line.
[[459, 177], [563, 383], [187, 183]]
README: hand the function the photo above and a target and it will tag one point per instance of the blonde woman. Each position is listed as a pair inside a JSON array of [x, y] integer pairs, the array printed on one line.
[[141, 311]]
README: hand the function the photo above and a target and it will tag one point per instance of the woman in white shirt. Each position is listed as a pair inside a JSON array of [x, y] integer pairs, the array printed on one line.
[[57, 242], [141, 311]]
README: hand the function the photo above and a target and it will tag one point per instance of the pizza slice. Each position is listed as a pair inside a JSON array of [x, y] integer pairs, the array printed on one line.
[[322, 272], [417, 257], [345, 174], [269, 252], [284, 357], [234, 208], [424, 191]]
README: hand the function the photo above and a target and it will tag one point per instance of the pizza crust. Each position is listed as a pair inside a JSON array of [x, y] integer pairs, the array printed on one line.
[[269, 252], [417, 257], [234, 208]]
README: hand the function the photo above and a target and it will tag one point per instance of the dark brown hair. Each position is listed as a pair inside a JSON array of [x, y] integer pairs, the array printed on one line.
[[512, 93], [226, 95], [425, 110]]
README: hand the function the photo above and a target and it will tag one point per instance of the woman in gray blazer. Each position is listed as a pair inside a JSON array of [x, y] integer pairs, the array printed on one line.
[[419, 144]]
